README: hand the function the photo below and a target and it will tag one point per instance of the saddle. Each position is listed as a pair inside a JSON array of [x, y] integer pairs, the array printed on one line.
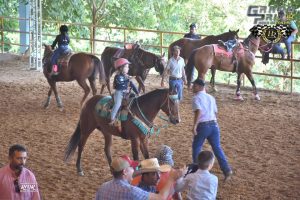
[[120, 52], [228, 45], [104, 106], [63, 60], [237, 52]]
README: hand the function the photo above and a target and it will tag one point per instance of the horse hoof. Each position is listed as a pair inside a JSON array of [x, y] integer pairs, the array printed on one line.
[[239, 98], [257, 97], [46, 106], [81, 173]]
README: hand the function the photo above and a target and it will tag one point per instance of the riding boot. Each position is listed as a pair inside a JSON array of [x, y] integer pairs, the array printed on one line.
[[54, 70]]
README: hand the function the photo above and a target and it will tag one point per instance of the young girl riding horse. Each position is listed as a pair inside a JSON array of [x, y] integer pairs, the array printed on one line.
[[63, 41], [121, 85]]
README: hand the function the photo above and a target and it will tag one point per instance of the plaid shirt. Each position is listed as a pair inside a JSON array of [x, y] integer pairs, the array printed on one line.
[[119, 189]]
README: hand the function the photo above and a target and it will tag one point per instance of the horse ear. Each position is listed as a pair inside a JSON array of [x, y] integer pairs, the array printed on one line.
[[230, 30], [44, 45], [163, 54], [237, 30]]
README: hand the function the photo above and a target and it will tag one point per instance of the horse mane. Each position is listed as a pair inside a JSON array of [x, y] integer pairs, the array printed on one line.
[[153, 93]]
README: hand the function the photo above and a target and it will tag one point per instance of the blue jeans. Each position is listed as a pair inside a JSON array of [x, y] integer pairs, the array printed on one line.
[[118, 96], [177, 85], [58, 52], [211, 132], [288, 44]]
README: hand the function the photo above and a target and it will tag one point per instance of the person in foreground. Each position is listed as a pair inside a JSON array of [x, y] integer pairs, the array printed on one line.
[[16, 181], [206, 126], [119, 188], [200, 184]]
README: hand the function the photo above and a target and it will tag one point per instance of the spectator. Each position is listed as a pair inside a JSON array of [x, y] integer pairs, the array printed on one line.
[[192, 34], [120, 189], [288, 41], [16, 181], [206, 126], [175, 68], [201, 184]]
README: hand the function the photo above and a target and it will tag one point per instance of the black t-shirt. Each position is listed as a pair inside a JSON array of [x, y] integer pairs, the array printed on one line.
[[192, 36]]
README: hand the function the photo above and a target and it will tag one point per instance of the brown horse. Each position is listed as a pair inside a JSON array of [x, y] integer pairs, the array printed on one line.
[[141, 60], [160, 99], [205, 58], [80, 67], [188, 45]]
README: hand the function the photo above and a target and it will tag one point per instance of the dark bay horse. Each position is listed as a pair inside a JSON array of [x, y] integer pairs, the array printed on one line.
[[205, 58], [80, 67], [141, 64], [159, 99], [188, 45]]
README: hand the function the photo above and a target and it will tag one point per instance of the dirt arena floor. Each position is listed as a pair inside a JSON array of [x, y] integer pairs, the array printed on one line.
[[261, 139]]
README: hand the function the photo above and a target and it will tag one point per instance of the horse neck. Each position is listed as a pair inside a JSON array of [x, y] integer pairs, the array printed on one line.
[[254, 43], [149, 104], [148, 58]]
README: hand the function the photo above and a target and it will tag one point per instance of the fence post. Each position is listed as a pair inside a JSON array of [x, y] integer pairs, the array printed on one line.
[[2, 34], [292, 67], [161, 43], [124, 37]]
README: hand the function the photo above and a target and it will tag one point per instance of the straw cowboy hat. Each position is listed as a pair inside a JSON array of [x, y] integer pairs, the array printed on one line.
[[151, 165]]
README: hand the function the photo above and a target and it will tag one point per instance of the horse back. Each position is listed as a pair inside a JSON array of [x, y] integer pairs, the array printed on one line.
[[82, 65]]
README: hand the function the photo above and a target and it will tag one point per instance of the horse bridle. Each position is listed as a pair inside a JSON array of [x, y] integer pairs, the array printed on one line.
[[169, 98], [261, 47]]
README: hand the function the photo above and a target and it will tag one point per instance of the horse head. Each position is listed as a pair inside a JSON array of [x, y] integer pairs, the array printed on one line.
[[171, 106], [47, 53], [160, 63], [233, 34]]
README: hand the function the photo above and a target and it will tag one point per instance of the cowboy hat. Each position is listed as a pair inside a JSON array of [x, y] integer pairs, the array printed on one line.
[[151, 165]]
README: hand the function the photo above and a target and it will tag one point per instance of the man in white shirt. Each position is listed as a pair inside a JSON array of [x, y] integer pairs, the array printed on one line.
[[206, 126], [175, 69]]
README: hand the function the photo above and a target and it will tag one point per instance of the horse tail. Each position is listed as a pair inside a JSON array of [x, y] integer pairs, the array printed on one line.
[[189, 68], [73, 143], [99, 68]]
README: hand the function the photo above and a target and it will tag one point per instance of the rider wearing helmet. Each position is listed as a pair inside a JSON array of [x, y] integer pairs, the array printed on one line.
[[63, 41], [121, 85], [192, 34]]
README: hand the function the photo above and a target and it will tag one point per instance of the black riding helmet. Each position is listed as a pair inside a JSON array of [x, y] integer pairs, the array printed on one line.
[[63, 29]]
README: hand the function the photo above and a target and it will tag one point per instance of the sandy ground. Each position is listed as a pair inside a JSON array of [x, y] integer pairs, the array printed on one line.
[[260, 139]]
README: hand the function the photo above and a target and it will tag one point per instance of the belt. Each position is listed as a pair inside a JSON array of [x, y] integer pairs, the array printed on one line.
[[174, 78], [208, 122]]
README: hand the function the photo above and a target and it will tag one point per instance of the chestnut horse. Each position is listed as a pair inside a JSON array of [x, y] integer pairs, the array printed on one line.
[[205, 58], [145, 108], [142, 61], [80, 67], [188, 45]]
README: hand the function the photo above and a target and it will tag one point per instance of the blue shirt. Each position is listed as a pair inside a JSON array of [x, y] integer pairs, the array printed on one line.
[[207, 106], [201, 185], [119, 189]]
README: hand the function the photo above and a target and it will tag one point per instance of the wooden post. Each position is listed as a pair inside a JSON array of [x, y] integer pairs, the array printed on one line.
[[292, 67], [161, 42], [2, 34]]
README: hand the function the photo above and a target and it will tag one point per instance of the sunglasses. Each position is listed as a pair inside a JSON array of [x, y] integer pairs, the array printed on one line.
[[17, 187]]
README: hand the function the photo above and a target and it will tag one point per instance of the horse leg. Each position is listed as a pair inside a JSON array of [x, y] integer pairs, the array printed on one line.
[[58, 100], [250, 77], [238, 88], [212, 79], [86, 89], [46, 105], [141, 83], [93, 85], [144, 147], [135, 143], [108, 142]]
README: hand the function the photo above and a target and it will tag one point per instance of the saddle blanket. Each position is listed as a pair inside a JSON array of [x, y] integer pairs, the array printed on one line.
[[104, 106], [220, 51]]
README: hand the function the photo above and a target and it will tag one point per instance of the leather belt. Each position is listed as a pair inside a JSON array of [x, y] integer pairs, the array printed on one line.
[[208, 122], [174, 78]]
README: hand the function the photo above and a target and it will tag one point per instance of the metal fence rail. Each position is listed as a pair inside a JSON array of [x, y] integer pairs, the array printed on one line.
[[125, 32]]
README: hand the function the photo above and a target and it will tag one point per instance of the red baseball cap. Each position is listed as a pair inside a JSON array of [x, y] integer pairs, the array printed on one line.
[[122, 162]]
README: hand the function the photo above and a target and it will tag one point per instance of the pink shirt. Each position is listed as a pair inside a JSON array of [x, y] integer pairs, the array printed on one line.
[[27, 184]]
